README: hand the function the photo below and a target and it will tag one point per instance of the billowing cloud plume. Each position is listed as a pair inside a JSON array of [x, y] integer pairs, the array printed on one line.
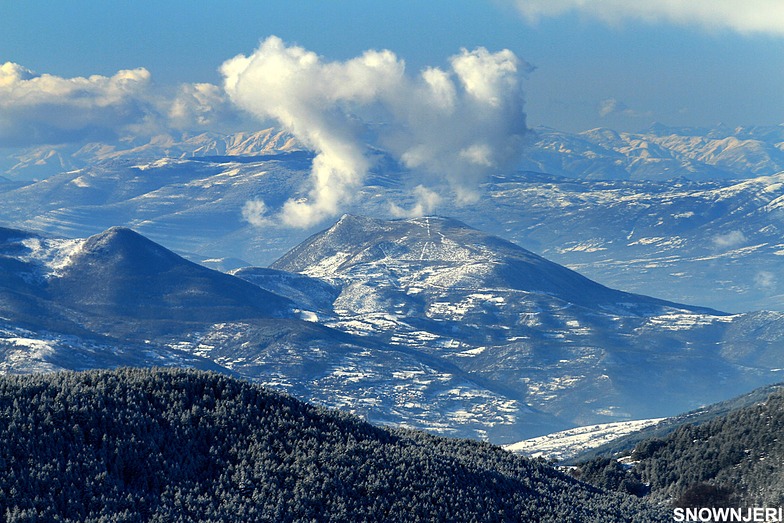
[[450, 126], [255, 213], [749, 16], [427, 200]]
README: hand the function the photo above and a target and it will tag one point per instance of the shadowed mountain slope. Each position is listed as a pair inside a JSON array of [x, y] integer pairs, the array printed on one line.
[[122, 273]]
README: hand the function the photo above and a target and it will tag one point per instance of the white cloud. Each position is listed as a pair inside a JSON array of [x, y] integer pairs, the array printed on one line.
[[614, 107], [199, 106], [765, 280], [611, 106], [749, 16], [452, 127], [255, 213], [48, 109], [426, 201], [729, 240]]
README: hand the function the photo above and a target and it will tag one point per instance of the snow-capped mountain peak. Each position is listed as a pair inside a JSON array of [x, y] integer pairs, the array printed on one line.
[[442, 253]]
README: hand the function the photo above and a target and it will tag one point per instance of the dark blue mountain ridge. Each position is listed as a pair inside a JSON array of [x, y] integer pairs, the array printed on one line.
[[118, 298], [118, 282], [307, 293], [24, 300], [121, 273], [8, 233]]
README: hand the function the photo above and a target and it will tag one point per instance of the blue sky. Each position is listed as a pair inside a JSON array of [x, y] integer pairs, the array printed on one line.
[[610, 68]]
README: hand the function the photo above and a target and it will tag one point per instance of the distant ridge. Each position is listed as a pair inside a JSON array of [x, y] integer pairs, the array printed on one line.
[[425, 323], [123, 273], [689, 215]]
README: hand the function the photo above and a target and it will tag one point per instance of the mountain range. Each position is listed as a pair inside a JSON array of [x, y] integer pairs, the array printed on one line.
[[686, 238], [425, 323], [659, 153], [40, 162], [422, 322]]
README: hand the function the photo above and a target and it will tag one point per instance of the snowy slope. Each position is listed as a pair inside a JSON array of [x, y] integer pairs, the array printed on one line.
[[566, 344], [659, 153], [566, 444], [674, 234], [119, 299], [714, 243], [425, 323]]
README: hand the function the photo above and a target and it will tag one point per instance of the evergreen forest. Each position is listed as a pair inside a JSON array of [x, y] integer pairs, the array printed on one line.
[[177, 445], [733, 460]]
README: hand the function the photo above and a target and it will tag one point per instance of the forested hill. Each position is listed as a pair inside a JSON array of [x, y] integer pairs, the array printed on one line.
[[177, 445], [625, 444], [735, 459]]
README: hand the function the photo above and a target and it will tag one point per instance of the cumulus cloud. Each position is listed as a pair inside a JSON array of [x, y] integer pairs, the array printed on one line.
[[199, 106], [426, 202], [614, 107], [255, 213], [48, 109], [749, 16], [450, 126], [729, 240]]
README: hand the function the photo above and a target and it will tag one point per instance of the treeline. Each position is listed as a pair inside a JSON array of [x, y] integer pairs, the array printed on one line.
[[733, 460], [625, 444], [178, 445]]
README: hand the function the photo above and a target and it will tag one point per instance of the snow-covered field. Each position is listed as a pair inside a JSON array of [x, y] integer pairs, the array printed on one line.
[[568, 443]]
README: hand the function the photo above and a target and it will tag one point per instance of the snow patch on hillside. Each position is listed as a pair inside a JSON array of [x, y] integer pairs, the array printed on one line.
[[686, 321], [568, 443], [51, 255], [22, 355]]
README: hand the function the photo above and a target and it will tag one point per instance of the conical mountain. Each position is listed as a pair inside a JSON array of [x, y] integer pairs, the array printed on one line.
[[445, 253], [121, 273], [552, 338]]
